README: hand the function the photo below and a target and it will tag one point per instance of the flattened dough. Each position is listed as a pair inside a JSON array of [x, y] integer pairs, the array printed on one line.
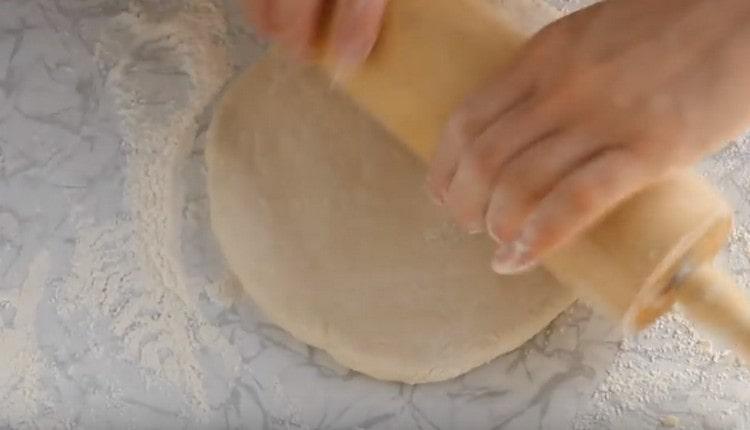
[[324, 220]]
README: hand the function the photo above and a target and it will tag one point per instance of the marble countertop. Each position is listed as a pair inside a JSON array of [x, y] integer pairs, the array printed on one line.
[[116, 310]]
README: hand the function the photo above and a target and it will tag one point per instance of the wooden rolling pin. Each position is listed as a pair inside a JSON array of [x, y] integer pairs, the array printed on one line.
[[650, 252]]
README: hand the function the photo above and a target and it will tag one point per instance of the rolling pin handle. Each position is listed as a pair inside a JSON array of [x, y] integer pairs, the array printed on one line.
[[714, 302]]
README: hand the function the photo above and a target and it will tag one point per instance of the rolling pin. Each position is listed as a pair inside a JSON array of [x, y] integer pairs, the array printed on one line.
[[652, 251]]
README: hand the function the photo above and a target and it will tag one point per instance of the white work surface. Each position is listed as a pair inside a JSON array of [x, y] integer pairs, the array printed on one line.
[[116, 310]]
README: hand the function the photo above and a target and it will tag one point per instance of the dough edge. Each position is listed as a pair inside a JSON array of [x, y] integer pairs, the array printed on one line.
[[379, 367]]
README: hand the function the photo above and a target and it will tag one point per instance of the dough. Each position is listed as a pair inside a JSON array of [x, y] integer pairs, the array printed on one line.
[[323, 217]]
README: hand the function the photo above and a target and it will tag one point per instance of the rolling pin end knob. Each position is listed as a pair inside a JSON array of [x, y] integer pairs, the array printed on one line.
[[714, 302]]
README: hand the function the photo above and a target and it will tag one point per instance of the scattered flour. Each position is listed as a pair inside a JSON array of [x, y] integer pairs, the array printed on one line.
[[21, 391], [664, 363], [131, 271]]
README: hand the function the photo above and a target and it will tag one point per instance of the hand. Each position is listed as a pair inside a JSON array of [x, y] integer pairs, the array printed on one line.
[[596, 106], [297, 25]]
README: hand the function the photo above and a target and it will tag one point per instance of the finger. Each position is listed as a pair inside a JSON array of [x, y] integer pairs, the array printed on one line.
[[528, 177], [259, 13], [573, 205], [476, 114], [469, 192], [514, 84], [458, 135], [356, 27], [294, 24]]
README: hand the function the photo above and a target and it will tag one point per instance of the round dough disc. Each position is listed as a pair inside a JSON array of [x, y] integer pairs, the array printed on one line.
[[324, 219]]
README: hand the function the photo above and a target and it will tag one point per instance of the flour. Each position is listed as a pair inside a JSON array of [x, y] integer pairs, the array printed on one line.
[[21, 391], [133, 277], [664, 362], [129, 272]]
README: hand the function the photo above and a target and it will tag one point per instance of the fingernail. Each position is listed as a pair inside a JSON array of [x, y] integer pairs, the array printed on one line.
[[475, 228], [512, 258], [437, 197], [491, 233], [497, 208], [349, 60], [343, 72], [352, 54]]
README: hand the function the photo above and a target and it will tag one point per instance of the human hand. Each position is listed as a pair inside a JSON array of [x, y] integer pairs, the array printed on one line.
[[594, 108], [297, 25]]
